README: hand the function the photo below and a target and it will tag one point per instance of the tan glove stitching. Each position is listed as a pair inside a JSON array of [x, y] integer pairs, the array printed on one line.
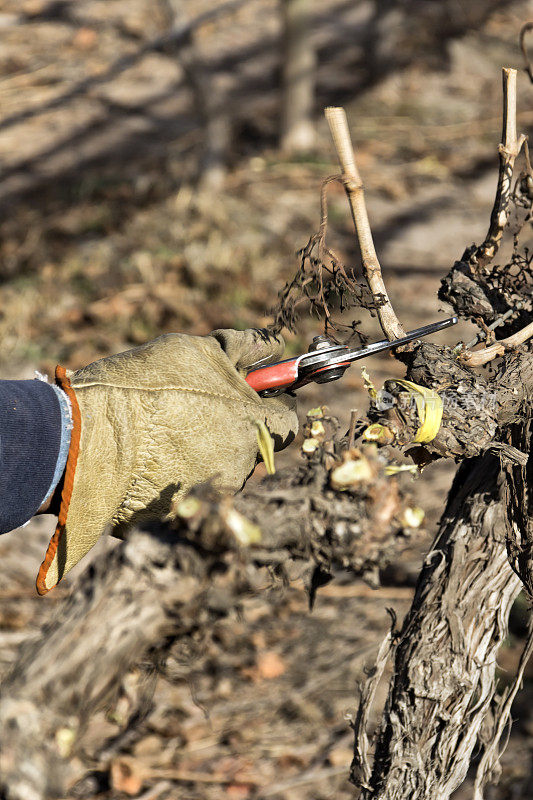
[[203, 392]]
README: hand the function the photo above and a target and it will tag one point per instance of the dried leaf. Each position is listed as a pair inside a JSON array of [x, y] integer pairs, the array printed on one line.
[[127, 776], [369, 386], [394, 469], [429, 407], [270, 665], [266, 446], [413, 516]]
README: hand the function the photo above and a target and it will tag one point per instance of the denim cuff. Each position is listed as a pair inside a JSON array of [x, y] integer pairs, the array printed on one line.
[[32, 434], [66, 431]]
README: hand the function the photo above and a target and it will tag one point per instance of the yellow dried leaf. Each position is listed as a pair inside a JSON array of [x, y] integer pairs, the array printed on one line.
[[394, 469], [429, 407], [266, 446], [369, 386]]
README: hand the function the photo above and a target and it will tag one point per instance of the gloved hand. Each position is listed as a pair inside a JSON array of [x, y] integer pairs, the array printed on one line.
[[154, 421]]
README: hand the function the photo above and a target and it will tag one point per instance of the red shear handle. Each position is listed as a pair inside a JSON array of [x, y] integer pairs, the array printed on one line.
[[275, 376]]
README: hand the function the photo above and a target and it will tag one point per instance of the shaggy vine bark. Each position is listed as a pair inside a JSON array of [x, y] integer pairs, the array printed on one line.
[[445, 658], [442, 701]]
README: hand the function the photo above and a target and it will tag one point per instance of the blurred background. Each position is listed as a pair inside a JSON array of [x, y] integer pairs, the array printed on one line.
[[160, 166]]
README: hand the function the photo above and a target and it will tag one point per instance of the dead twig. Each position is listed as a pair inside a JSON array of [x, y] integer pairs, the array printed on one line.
[[311, 776], [191, 776], [353, 422], [510, 146], [320, 278], [353, 184], [484, 334], [480, 357]]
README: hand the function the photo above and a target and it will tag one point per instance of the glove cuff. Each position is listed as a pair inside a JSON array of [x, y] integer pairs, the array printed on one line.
[[63, 381]]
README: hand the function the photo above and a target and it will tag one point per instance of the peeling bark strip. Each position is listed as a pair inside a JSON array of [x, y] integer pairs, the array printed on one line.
[[518, 494], [443, 688]]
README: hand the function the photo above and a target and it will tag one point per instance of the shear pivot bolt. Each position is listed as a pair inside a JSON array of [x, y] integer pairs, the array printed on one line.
[[319, 343]]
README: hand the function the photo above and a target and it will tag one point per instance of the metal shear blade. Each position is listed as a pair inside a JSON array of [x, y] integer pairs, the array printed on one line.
[[325, 361]]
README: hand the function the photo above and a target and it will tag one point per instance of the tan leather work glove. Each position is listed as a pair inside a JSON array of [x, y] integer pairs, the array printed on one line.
[[154, 421]]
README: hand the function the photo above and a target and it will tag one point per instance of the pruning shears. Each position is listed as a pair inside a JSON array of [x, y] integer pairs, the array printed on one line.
[[325, 361]]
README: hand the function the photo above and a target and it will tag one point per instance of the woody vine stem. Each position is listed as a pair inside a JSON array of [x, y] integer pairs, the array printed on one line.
[[443, 702]]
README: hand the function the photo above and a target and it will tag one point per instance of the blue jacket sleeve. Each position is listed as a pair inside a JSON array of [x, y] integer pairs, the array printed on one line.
[[30, 438]]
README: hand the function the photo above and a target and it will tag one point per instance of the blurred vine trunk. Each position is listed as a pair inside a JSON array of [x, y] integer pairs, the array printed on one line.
[[209, 93], [298, 77], [164, 593]]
